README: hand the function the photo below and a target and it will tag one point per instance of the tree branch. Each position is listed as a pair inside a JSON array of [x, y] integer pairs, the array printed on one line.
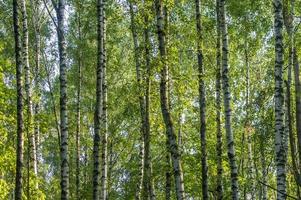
[[49, 12], [287, 195]]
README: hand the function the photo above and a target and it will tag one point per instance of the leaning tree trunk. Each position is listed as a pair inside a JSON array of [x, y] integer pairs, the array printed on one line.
[[227, 108], [19, 153], [279, 127], [219, 144], [31, 162], [202, 101], [170, 132], [288, 17], [52, 99], [60, 13]]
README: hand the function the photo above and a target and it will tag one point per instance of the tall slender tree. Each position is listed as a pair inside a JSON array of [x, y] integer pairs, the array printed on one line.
[[227, 99], [219, 183], [31, 163], [104, 141], [59, 7], [297, 171], [78, 104], [170, 132], [202, 100], [99, 99], [100, 117], [279, 100], [141, 103], [36, 16], [18, 50], [248, 128], [148, 186]]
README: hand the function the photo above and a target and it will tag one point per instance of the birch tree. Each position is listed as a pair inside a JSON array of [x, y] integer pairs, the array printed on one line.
[[18, 57], [202, 100], [279, 127], [170, 132], [219, 183], [227, 99]]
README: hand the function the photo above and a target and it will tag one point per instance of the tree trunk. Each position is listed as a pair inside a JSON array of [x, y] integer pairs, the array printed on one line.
[[148, 186], [78, 105], [60, 13], [227, 109], [31, 162], [264, 195], [219, 143], [294, 153], [47, 70], [202, 101], [168, 177], [279, 128], [19, 153], [104, 130], [170, 132], [99, 99], [37, 34], [248, 126], [141, 104]]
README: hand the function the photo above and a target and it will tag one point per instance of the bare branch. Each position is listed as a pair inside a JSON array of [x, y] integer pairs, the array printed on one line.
[[49, 12]]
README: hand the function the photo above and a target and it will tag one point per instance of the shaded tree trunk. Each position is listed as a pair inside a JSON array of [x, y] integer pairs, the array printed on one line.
[[168, 177], [148, 186], [141, 104], [202, 101], [170, 132], [288, 18], [19, 152], [98, 107], [279, 127], [219, 143], [294, 152], [264, 171], [54, 110], [78, 104], [248, 127], [227, 108]]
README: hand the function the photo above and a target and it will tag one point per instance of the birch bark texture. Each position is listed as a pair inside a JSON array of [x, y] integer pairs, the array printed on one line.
[[279, 100], [147, 182], [60, 13], [170, 131], [36, 15], [227, 99], [104, 125], [18, 57]]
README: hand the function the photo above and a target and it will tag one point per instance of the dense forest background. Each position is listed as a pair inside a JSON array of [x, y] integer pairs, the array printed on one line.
[[128, 99]]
